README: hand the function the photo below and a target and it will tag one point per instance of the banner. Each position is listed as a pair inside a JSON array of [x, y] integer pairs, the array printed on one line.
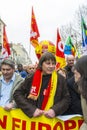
[[17, 120]]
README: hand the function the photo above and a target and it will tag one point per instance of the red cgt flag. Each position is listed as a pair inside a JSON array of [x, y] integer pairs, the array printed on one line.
[[60, 57], [34, 33], [5, 47]]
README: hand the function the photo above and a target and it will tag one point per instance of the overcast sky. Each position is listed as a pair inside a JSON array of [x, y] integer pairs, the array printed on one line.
[[50, 14]]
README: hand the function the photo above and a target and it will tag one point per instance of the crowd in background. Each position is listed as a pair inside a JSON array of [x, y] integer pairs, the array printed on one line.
[[69, 87]]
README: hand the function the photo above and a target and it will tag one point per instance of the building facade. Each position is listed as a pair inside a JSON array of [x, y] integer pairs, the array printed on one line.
[[2, 24], [18, 52]]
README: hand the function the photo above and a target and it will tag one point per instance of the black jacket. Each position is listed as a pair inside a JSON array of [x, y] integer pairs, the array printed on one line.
[[69, 72], [28, 106], [75, 105]]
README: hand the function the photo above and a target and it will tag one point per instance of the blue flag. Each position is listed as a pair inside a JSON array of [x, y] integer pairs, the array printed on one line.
[[69, 47], [84, 32]]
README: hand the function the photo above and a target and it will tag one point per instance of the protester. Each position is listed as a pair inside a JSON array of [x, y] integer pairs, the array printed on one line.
[[70, 59], [21, 71], [75, 105], [80, 74], [31, 68], [25, 67], [45, 92], [9, 81]]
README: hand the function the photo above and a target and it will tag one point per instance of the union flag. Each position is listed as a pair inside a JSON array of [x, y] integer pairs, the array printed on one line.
[[60, 57], [34, 33], [5, 47]]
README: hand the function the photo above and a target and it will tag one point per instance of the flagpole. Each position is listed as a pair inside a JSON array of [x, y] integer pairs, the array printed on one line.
[[2, 42], [29, 48]]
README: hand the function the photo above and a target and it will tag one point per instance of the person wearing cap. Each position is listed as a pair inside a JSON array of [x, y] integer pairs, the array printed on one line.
[[9, 82], [21, 71]]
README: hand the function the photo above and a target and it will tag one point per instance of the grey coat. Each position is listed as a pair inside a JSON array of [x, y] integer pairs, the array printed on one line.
[[17, 82]]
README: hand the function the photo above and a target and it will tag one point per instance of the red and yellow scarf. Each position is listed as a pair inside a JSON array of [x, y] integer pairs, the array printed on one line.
[[51, 89]]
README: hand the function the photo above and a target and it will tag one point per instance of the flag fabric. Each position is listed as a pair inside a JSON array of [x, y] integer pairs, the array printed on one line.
[[60, 56], [34, 33], [5, 47], [69, 48], [84, 32]]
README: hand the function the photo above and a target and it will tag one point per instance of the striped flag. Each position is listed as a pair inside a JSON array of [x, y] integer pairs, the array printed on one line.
[[69, 47], [84, 32]]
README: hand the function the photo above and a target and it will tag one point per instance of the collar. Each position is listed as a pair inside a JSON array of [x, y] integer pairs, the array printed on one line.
[[12, 79]]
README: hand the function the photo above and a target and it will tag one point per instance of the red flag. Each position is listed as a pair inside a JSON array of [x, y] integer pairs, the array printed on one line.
[[60, 57], [5, 47], [34, 33]]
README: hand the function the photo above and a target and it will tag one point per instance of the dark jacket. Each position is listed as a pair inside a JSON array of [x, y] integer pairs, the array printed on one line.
[[75, 105], [28, 106], [69, 72]]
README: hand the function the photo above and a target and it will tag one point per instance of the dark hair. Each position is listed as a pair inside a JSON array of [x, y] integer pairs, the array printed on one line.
[[9, 62], [19, 65], [46, 56], [81, 67]]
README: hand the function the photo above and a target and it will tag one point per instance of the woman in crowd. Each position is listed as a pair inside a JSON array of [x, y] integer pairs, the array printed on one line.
[[80, 74], [44, 92]]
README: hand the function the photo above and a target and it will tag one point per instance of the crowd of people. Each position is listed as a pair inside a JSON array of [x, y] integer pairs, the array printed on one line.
[[41, 90]]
